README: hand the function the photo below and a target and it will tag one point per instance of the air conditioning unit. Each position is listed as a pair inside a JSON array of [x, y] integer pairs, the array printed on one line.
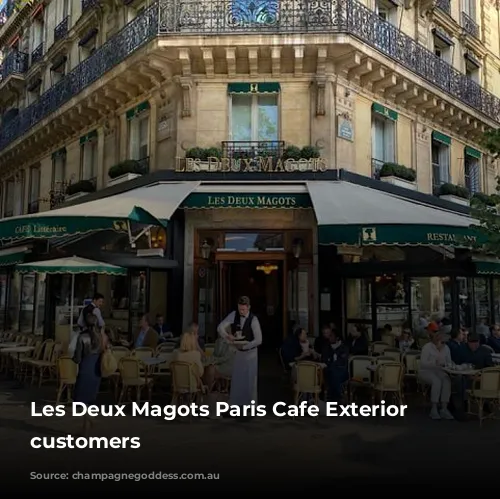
[[145, 253]]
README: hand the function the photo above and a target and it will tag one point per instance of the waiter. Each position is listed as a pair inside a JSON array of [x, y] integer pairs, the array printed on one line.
[[245, 366]]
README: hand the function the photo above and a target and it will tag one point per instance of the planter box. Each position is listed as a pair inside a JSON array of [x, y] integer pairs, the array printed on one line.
[[76, 195], [123, 178], [455, 199], [400, 182]]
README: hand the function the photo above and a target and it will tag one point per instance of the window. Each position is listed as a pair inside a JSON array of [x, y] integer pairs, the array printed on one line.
[[133, 12], [440, 164], [472, 173], [139, 137], [65, 9], [442, 49], [254, 117], [58, 69], [14, 196], [386, 10], [34, 193], [383, 142], [469, 8], [88, 159], [472, 69], [8, 209], [58, 170]]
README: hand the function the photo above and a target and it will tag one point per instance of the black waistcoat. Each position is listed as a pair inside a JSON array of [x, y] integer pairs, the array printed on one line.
[[246, 331]]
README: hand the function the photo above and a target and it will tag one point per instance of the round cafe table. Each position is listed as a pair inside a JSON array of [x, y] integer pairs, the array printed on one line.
[[18, 350]]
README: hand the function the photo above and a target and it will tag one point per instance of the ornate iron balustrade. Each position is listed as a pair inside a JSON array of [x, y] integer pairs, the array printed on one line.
[[15, 63], [469, 25], [376, 167], [89, 4], [444, 5], [243, 149], [37, 54], [61, 30], [143, 165], [217, 17]]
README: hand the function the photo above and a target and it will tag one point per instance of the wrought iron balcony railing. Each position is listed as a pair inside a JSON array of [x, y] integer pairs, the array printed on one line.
[[469, 25], [61, 30], [15, 63], [89, 4], [376, 167], [219, 17], [444, 5], [37, 54], [239, 149]]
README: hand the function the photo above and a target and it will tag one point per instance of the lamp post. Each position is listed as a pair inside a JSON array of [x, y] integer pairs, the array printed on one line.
[[206, 249], [297, 248]]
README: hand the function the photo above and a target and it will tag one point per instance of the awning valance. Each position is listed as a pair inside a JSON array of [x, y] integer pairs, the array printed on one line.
[[441, 137], [384, 111], [253, 88], [151, 205], [350, 214], [70, 265], [474, 153], [12, 256], [137, 110], [487, 267]]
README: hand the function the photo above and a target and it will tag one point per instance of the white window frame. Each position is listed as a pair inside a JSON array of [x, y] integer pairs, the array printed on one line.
[[34, 193], [443, 48], [474, 185], [134, 139], [58, 163], [472, 71], [389, 8], [88, 159], [389, 138], [254, 117], [469, 7], [444, 155]]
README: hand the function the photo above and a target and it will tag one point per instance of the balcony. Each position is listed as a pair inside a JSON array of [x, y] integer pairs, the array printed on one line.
[[470, 26], [89, 5], [238, 149], [444, 5], [61, 30], [218, 17], [16, 63], [37, 54]]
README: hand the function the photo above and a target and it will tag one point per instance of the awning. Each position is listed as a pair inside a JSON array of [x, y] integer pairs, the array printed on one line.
[[349, 214], [70, 265], [487, 267], [151, 205], [12, 256]]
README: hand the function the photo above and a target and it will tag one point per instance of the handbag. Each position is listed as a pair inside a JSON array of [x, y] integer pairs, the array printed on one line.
[[109, 365]]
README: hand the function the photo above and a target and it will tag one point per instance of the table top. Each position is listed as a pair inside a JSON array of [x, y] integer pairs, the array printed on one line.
[[153, 361], [10, 344], [461, 372], [320, 364], [23, 349]]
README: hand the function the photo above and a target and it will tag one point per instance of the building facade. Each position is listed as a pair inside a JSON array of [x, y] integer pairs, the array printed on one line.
[[397, 91]]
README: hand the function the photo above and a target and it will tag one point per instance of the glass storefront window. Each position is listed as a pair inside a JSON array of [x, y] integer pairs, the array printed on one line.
[[358, 302], [496, 300], [27, 309], [253, 242], [430, 299], [85, 286], [138, 287], [40, 304], [4, 281], [391, 301], [119, 293], [465, 301], [482, 300]]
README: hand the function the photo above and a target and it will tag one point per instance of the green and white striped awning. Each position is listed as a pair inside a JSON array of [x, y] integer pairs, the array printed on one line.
[[70, 265]]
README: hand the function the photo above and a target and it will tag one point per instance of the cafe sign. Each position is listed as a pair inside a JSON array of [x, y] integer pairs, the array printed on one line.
[[250, 165], [252, 201], [450, 238]]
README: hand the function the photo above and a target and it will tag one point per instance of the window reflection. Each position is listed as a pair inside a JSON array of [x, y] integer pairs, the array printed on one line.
[[28, 285], [482, 300], [253, 242], [391, 301]]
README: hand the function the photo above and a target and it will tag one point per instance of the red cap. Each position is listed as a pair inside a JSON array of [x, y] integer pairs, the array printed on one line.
[[433, 327]]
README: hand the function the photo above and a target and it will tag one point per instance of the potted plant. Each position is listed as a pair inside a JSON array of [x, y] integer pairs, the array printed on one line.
[[80, 188], [202, 157], [399, 175], [309, 152], [454, 193], [124, 171], [481, 198]]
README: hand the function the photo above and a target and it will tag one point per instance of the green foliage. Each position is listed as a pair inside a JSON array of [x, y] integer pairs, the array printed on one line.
[[454, 190], [202, 154], [81, 186], [398, 171], [309, 152], [292, 152], [127, 166]]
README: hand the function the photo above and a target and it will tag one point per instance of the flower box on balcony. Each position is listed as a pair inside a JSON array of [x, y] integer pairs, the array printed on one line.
[[79, 189], [455, 194], [399, 175], [125, 171]]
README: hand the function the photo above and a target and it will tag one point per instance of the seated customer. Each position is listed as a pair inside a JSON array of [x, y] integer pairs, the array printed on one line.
[[188, 352], [494, 339], [457, 346], [161, 328], [336, 357], [323, 339], [476, 354], [406, 341], [357, 342], [223, 356], [435, 355], [145, 337], [304, 351]]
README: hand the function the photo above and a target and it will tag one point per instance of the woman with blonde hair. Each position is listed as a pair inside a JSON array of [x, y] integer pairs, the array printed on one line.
[[188, 352]]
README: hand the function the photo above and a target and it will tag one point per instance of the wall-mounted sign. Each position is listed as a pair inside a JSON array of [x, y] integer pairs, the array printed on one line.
[[345, 129], [260, 164], [256, 201]]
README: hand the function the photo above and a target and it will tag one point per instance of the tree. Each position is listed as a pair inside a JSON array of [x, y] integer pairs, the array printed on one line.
[[484, 208]]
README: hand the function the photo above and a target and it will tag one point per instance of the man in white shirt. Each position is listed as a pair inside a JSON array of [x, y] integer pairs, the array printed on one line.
[[244, 326], [92, 308]]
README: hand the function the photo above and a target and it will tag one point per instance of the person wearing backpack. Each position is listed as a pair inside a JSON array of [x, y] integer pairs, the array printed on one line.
[[92, 308]]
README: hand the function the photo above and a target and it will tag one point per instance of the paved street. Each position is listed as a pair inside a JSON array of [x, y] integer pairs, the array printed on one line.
[[281, 452]]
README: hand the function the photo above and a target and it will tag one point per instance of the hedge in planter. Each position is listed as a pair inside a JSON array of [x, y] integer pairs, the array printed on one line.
[[81, 186], [481, 198], [203, 154], [125, 167], [398, 171], [454, 190]]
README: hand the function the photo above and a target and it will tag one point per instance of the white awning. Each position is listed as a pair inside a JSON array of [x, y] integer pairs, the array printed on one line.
[[352, 214]]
